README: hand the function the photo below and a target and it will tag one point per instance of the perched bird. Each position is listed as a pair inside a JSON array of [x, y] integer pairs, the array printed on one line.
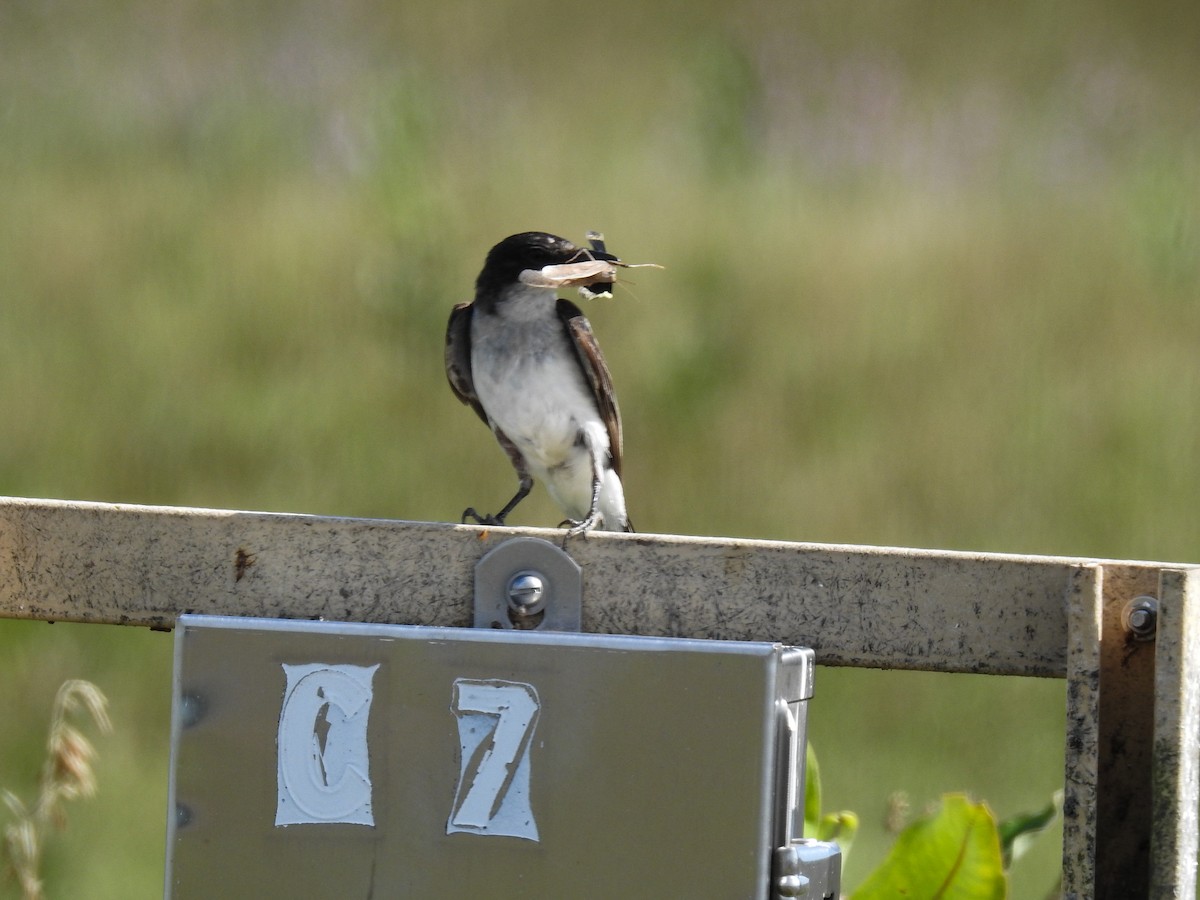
[[527, 362]]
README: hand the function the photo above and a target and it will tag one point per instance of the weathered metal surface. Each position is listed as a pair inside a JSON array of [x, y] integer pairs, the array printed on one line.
[[1084, 611], [1125, 807], [1149, 721], [860, 606], [1175, 781], [352, 760]]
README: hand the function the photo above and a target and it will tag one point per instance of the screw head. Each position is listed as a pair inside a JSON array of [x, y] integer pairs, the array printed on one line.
[[1141, 618], [526, 593]]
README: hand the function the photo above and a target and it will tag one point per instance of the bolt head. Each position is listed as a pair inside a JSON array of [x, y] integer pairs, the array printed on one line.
[[526, 593], [1141, 618]]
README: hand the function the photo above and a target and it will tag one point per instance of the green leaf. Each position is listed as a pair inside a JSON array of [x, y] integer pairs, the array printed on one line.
[[839, 827], [954, 853], [812, 791], [1019, 832]]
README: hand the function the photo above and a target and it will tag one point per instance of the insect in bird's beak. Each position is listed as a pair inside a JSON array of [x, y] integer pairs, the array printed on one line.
[[595, 268], [589, 271], [603, 289]]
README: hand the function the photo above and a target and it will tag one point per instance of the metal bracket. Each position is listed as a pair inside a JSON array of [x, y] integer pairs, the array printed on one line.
[[802, 867], [809, 869], [528, 584]]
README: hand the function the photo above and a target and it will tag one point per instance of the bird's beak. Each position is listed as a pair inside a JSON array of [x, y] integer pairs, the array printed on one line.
[[588, 271]]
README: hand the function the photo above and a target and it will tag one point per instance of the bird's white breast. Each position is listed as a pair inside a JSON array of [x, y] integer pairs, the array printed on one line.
[[528, 378]]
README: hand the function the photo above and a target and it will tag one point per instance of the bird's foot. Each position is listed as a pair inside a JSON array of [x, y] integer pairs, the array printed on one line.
[[469, 513], [582, 526]]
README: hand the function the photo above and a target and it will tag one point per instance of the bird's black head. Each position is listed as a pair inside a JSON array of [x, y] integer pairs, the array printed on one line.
[[528, 250]]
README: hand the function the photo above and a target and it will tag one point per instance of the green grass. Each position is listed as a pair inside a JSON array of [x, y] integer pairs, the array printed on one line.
[[932, 280]]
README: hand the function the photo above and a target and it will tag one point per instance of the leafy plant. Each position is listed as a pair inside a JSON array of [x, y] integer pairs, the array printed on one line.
[[1018, 832], [955, 853], [839, 827], [958, 850]]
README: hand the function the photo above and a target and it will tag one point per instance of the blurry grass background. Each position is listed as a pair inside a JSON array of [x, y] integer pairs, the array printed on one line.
[[932, 280]]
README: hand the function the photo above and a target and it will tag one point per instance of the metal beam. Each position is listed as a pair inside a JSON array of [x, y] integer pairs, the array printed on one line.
[[859, 606]]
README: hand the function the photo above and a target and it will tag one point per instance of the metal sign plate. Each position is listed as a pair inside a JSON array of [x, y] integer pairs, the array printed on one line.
[[346, 760]]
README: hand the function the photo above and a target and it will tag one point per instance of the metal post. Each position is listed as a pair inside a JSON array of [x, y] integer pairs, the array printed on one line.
[[1176, 785], [1084, 611], [1125, 808]]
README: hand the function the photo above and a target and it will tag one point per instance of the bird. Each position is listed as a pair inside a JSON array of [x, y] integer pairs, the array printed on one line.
[[529, 364]]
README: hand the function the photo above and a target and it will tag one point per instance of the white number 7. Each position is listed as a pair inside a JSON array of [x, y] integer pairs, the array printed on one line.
[[496, 720]]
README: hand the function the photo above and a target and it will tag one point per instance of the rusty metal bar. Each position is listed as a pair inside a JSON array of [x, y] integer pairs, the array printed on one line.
[[858, 606], [1146, 757], [1126, 751]]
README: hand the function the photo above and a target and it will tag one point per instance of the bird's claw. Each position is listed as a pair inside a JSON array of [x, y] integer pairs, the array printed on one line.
[[469, 513], [582, 526]]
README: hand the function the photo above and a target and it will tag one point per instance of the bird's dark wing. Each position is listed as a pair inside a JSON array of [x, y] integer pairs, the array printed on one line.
[[458, 358], [591, 360]]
